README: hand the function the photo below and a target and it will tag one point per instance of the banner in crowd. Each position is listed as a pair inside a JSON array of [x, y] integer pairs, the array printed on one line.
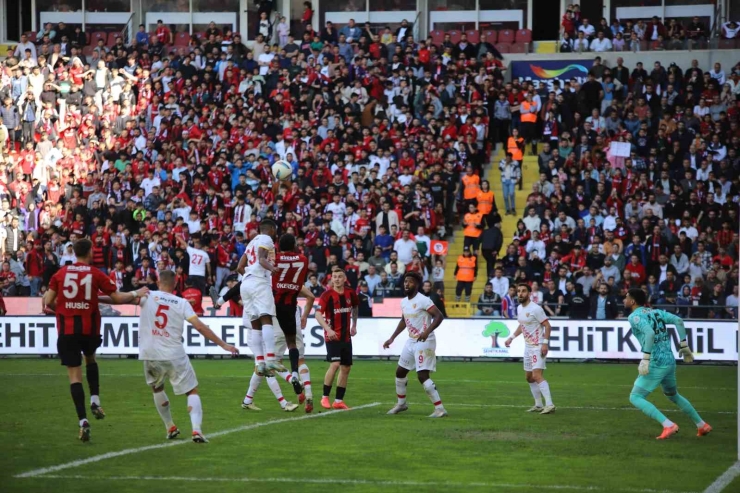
[[439, 247], [469, 338], [546, 71]]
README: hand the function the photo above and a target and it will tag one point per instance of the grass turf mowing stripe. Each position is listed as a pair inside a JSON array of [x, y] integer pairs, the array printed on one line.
[[371, 482], [129, 451], [725, 479], [577, 408]]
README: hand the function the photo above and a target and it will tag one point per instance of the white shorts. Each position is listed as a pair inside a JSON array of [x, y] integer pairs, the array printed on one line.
[[419, 356], [533, 359], [281, 345], [179, 372], [257, 299]]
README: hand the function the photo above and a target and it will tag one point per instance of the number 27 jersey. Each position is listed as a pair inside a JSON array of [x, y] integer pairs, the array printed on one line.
[[162, 322], [254, 269]]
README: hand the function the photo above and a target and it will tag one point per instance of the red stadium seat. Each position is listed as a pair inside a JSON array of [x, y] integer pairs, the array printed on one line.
[[112, 38], [88, 51], [87, 38], [519, 48], [491, 36], [94, 37], [523, 36], [506, 36], [503, 47], [437, 36], [182, 39], [31, 36], [473, 36], [727, 44], [454, 36]]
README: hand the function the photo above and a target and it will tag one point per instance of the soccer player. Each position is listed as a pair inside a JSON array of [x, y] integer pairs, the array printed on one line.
[[257, 297], [73, 293], [420, 317], [658, 365], [536, 328], [161, 325], [199, 268], [337, 314]]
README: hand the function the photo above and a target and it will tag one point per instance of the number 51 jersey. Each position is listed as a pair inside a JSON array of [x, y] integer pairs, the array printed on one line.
[[162, 321]]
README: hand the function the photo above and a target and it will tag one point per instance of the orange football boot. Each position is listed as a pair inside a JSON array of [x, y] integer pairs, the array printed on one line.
[[325, 403], [668, 431], [704, 430], [339, 405]]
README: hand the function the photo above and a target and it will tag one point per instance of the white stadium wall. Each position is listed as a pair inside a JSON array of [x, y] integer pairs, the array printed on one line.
[[459, 338]]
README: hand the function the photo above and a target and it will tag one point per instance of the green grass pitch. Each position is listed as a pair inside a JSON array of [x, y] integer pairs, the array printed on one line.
[[594, 442]]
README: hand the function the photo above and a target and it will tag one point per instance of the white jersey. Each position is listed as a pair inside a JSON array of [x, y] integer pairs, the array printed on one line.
[[416, 315], [161, 324], [530, 317], [254, 269], [198, 261]]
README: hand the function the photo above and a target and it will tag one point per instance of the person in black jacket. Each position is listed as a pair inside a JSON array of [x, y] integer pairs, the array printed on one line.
[[603, 301], [365, 309], [491, 241], [576, 302]]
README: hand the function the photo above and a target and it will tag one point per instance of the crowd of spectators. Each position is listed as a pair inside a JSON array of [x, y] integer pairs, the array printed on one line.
[[146, 148]]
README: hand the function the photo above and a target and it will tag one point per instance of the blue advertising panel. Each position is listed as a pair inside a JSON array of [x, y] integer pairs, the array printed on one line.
[[546, 71]]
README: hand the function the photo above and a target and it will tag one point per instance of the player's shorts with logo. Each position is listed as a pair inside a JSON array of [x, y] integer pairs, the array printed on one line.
[[419, 356], [179, 372], [257, 298], [533, 359], [339, 351], [281, 345], [71, 347]]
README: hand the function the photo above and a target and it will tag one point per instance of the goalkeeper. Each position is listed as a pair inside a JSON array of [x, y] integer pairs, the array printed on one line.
[[658, 365]]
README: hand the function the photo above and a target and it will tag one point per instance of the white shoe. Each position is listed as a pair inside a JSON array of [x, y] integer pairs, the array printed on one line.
[[535, 409], [398, 408], [439, 413], [250, 407], [274, 367], [548, 409], [198, 437], [290, 407], [261, 370]]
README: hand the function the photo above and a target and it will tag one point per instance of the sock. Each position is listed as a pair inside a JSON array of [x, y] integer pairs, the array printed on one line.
[[667, 422], [685, 406], [254, 384], [255, 342], [196, 411], [431, 391], [93, 380], [637, 399], [305, 380], [294, 354], [327, 390], [95, 399], [401, 389], [340, 393], [275, 387], [545, 389], [78, 396], [221, 300], [163, 408], [268, 339], [536, 393]]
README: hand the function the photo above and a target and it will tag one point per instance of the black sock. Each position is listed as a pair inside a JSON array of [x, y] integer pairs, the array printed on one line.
[[294, 354], [327, 390], [340, 393], [78, 396], [93, 378]]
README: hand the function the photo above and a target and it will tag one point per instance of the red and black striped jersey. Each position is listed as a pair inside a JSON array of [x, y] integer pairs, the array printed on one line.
[[290, 277], [77, 288], [337, 310]]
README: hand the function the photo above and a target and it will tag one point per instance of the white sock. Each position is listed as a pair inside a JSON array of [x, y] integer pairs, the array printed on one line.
[[255, 342], [275, 387], [667, 423], [401, 389], [545, 389], [254, 384], [700, 424], [431, 391], [268, 339], [82, 422], [305, 380], [285, 375], [162, 403], [196, 411], [536, 393], [221, 300], [95, 399]]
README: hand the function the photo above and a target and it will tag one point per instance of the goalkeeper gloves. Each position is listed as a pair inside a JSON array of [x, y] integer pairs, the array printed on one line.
[[644, 367], [685, 352]]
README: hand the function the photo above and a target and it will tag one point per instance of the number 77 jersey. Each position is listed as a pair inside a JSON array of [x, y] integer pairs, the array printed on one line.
[[290, 277]]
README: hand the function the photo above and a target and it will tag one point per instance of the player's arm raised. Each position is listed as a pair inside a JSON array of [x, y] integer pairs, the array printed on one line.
[[399, 328], [516, 334], [211, 336], [684, 350], [124, 298], [310, 298], [437, 318]]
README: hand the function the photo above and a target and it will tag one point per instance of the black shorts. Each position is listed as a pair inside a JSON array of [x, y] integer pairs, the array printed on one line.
[[71, 348], [339, 351], [286, 318]]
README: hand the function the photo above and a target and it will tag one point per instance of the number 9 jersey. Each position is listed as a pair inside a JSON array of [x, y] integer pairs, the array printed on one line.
[[77, 288]]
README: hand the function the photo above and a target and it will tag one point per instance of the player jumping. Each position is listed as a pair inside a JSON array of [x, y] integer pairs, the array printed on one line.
[[658, 365], [420, 317], [73, 293], [532, 320]]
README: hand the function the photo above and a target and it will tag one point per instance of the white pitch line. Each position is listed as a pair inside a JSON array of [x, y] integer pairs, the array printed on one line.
[[725, 479], [436, 485], [577, 408], [129, 451]]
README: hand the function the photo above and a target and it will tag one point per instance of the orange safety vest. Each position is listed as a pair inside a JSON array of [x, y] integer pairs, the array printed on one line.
[[485, 202], [513, 148], [473, 220], [471, 186], [466, 268], [526, 116]]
